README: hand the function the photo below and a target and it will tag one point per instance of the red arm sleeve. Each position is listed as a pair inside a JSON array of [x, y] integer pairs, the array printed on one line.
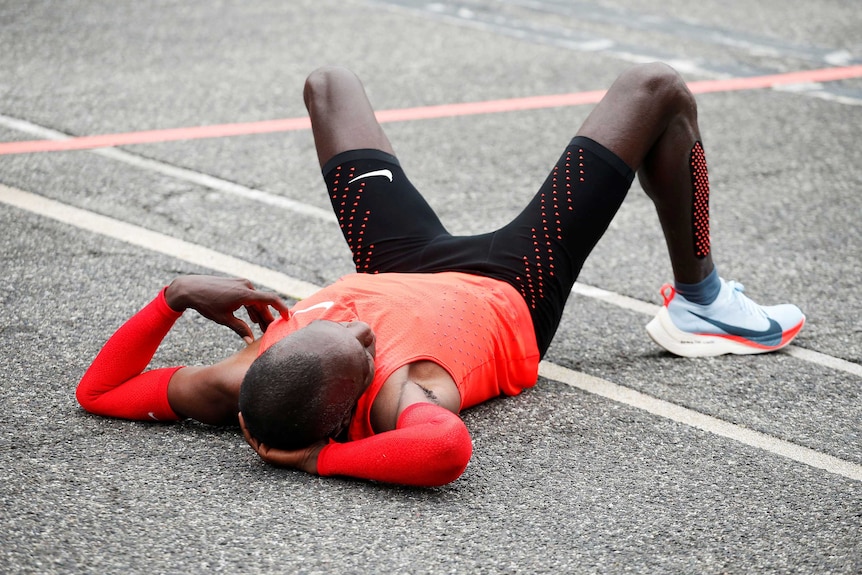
[[430, 446], [114, 385]]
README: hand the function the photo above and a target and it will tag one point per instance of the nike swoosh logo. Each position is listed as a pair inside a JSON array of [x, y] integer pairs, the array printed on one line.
[[153, 415], [321, 305], [769, 336], [385, 173]]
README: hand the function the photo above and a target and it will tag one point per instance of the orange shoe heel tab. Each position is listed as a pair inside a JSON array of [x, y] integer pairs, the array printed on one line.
[[667, 292]]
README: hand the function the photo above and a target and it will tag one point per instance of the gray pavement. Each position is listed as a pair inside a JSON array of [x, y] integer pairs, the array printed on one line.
[[561, 480]]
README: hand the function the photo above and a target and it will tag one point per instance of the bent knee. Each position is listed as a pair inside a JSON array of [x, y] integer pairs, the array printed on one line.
[[327, 79], [661, 83]]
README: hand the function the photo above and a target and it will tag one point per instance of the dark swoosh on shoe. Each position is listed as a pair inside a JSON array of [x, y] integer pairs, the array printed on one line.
[[770, 336]]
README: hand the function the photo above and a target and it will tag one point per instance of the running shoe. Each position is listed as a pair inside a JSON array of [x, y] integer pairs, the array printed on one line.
[[731, 324]]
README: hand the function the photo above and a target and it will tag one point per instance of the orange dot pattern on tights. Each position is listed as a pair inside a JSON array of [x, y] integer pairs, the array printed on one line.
[[540, 263], [700, 201], [352, 222]]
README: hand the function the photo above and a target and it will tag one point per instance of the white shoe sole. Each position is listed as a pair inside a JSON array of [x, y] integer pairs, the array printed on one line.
[[662, 331]]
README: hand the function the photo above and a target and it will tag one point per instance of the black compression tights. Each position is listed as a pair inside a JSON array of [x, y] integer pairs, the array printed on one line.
[[391, 228]]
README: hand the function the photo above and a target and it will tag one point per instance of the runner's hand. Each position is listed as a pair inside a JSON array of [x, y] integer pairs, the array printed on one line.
[[304, 459], [217, 298]]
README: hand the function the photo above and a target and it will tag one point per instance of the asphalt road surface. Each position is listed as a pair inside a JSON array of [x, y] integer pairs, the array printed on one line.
[[139, 141]]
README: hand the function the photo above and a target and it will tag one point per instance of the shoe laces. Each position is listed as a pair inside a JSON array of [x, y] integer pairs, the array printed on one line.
[[742, 301]]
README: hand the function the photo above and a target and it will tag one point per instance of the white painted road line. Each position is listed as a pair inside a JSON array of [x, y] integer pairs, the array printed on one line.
[[674, 412], [155, 241], [178, 173], [645, 308], [301, 208], [616, 299], [298, 289]]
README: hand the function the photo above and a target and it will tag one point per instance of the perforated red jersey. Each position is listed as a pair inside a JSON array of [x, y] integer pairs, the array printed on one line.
[[477, 328]]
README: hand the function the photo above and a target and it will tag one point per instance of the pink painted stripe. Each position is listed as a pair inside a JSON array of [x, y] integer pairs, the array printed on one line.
[[409, 114], [761, 82]]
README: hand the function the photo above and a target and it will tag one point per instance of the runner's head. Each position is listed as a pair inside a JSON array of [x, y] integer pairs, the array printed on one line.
[[305, 387]]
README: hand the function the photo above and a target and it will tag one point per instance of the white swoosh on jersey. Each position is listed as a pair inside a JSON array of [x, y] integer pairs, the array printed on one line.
[[321, 305], [385, 173]]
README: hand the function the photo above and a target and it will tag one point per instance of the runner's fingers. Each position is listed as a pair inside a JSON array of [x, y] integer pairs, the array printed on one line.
[[240, 328], [260, 314], [263, 299], [245, 433]]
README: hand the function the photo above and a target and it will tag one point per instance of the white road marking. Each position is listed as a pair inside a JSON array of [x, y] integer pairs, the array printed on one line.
[[184, 174], [616, 299], [212, 182], [674, 412], [287, 285], [649, 309], [155, 241]]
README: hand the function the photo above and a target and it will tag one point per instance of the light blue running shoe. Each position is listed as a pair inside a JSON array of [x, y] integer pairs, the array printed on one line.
[[731, 324]]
